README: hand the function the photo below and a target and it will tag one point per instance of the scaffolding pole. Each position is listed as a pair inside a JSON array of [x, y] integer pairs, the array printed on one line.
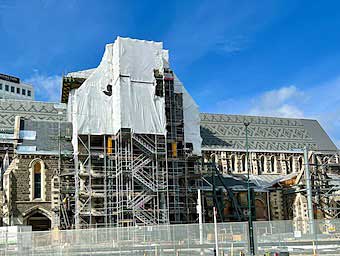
[[309, 192]]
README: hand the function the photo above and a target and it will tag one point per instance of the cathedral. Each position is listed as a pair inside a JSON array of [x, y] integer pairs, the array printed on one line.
[[128, 146]]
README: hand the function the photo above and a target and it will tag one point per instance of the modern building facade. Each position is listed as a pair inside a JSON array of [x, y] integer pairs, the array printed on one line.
[[13, 88]]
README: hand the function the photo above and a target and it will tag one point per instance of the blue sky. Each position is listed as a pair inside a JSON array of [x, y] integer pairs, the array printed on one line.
[[276, 58]]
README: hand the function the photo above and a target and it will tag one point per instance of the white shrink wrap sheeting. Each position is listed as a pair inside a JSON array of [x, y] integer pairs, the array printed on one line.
[[81, 74], [191, 113], [128, 66], [141, 109], [70, 105], [138, 58], [96, 112]]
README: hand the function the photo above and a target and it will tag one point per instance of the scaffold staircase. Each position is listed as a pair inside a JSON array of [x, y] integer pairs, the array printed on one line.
[[140, 162], [144, 178], [143, 143], [140, 200], [146, 171], [145, 216], [64, 220]]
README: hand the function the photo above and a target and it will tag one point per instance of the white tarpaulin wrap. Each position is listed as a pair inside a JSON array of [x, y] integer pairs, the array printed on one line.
[[138, 58], [127, 65], [192, 133], [141, 109]]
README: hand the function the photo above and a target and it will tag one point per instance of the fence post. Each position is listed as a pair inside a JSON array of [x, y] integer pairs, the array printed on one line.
[[216, 235], [6, 250], [200, 220]]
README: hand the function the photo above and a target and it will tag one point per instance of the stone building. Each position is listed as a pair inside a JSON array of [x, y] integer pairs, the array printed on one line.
[[44, 184], [30, 110], [31, 186], [276, 156], [31, 182], [29, 137]]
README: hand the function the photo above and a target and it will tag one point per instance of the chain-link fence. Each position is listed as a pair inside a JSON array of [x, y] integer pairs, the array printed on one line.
[[286, 236]]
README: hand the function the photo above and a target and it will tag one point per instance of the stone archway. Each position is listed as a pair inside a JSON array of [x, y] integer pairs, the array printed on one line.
[[39, 219], [261, 210], [39, 222]]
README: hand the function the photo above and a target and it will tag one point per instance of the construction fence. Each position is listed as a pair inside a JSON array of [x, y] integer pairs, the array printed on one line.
[[321, 237], [285, 236]]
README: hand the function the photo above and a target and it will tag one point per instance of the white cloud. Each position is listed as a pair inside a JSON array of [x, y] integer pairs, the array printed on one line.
[[281, 102], [318, 102], [285, 110], [321, 102], [232, 45], [279, 96], [46, 88]]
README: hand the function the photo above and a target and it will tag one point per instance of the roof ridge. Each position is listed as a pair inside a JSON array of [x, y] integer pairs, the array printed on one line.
[[247, 115]]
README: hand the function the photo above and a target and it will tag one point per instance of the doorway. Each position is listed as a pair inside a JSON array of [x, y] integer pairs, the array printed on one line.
[[39, 222]]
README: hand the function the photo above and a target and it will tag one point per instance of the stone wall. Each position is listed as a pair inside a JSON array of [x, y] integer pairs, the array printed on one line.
[[233, 162], [20, 199], [262, 164]]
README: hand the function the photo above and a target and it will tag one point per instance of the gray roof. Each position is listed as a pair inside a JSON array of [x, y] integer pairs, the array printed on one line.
[[220, 131], [32, 110]]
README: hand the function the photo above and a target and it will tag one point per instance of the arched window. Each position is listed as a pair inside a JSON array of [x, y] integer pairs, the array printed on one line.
[[325, 160], [233, 163], [260, 165], [289, 165], [226, 167], [37, 180], [300, 163], [261, 210], [243, 161], [220, 165], [272, 164]]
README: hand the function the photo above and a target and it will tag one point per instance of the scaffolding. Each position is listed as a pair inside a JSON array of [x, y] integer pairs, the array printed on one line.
[[183, 167], [324, 168], [63, 192], [121, 180], [325, 179], [129, 178]]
